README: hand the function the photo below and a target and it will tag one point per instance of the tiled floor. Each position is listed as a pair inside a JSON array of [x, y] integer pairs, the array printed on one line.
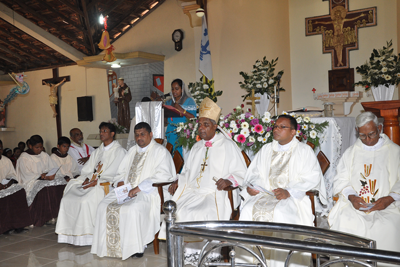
[[38, 247]]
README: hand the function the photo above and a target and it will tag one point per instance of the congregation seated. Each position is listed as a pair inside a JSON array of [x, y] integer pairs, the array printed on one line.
[[368, 184], [76, 219], [214, 163], [43, 191], [21, 145], [287, 169], [138, 220], [14, 209], [17, 152], [68, 166], [78, 150]]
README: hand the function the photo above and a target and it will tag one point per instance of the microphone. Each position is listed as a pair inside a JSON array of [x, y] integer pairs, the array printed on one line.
[[166, 95], [278, 77]]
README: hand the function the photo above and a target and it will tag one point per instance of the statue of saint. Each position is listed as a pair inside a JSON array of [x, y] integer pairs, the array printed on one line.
[[53, 99], [122, 100]]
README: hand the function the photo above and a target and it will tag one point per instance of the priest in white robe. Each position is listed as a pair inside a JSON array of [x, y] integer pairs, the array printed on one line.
[[124, 230], [14, 209], [214, 163], [288, 169], [78, 150], [368, 184], [82, 195], [68, 168]]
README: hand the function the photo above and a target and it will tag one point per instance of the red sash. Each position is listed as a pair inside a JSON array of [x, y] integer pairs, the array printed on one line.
[[87, 150]]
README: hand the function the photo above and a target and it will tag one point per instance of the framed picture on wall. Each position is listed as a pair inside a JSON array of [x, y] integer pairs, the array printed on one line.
[[158, 81]]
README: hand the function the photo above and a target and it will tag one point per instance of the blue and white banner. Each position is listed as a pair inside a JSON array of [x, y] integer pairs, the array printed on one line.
[[205, 53]]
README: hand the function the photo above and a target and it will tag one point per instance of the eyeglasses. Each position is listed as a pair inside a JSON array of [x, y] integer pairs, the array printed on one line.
[[370, 135], [282, 127]]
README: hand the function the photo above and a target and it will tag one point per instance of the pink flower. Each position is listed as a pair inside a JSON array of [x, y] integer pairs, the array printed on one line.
[[258, 128], [208, 144], [241, 138], [254, 122]]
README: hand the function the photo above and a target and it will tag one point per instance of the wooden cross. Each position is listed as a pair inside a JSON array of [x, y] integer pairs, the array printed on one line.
[[203, 166], [339, 30], [253, 99], [54, 80]]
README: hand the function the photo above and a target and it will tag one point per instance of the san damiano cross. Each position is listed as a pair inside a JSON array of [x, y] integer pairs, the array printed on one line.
[[339, 30]]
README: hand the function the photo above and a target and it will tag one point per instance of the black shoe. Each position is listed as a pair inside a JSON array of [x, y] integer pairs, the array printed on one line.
[[19, 230], [137, 255]]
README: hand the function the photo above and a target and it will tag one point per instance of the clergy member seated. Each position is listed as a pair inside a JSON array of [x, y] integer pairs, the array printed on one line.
[[214, 163], [368, 184], [36, 173], [288, 169], [14, 209], [79, 150], [82, 195], [68, 166], [138, 219]]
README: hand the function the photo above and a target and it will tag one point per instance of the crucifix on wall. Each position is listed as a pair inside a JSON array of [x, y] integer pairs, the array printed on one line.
[[339, 30], [54, 84]]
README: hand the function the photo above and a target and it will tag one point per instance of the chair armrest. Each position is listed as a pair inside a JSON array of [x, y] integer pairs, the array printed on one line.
[[161, 184], [231, 188]]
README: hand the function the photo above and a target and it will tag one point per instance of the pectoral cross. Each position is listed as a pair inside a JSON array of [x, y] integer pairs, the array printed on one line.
[[253, 102], [339, 30], [203, 166]]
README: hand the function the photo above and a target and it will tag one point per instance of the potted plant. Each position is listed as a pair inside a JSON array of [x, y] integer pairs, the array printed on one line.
[[202, 89], [263, 80], [381, 73]]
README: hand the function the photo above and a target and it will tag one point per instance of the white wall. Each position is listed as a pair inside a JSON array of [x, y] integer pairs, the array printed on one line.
[[310, 66], [31, 113]]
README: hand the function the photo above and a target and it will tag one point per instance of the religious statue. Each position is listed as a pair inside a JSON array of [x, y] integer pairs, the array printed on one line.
[[53, 99], [122, 102], [338, 17]]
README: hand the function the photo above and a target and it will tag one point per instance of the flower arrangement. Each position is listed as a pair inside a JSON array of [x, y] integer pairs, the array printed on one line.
[[202, 89], [261, 78], [119, 128], [250, 133], [383, 68]]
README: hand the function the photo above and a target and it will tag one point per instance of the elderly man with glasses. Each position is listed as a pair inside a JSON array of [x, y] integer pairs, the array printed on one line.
[[276, 184], [368, 184]]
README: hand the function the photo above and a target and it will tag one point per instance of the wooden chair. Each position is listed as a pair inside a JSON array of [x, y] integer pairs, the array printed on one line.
[[169, 147], [159, 140], [178, 161]]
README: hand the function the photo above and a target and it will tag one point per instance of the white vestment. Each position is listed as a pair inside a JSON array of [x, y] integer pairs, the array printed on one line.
[[197, 197], [30, 168], [293, 167], [123, 230], [77, 151], [372, 173], [7, 172], [76, 218], [68, 166]]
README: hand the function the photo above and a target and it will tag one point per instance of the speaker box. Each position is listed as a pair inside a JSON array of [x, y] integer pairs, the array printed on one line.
[[85, 108]]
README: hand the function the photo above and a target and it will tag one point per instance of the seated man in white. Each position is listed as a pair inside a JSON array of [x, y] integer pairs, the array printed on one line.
[[78, 150], [199, 197], [368, 184], [68, 168], [288, 169], [124, 230], [82, 195]]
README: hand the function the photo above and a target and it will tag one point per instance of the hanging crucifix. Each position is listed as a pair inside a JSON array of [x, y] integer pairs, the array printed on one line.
[[339, 30], [54, 83]]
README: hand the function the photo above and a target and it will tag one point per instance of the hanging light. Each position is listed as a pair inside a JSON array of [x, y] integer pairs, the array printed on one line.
[[115, 66], [101, 19], [200, 12]]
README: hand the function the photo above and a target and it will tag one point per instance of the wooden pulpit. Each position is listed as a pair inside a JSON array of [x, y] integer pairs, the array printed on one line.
[[389, 111]]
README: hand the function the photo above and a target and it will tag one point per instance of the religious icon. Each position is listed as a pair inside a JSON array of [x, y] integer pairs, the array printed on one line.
[[53, 99]]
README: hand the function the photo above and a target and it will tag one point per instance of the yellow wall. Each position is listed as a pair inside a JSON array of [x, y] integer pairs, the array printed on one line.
[[31, 113], [240, 33], [310, 66]]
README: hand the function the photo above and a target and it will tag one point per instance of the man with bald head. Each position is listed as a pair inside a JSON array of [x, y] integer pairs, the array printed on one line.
[[368, 184], [78, 150]]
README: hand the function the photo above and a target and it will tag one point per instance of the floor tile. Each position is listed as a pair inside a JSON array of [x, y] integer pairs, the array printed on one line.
[[7, 255], [28, 245], [9, 239], [25, 260]]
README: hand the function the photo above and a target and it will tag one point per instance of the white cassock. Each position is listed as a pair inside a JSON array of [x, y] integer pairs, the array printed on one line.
[[77, 215], [30, 168], [77, 151], [370, 172], [293, 167], [197, 197], [7, 172], [68, 166], [123, 230]]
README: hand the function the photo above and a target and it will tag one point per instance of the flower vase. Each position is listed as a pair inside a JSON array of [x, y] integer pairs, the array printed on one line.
[[383, 93], [263, 103]]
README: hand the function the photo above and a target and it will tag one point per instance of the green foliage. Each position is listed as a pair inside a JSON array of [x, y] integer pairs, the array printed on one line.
[[203, 89], [382, 68]]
